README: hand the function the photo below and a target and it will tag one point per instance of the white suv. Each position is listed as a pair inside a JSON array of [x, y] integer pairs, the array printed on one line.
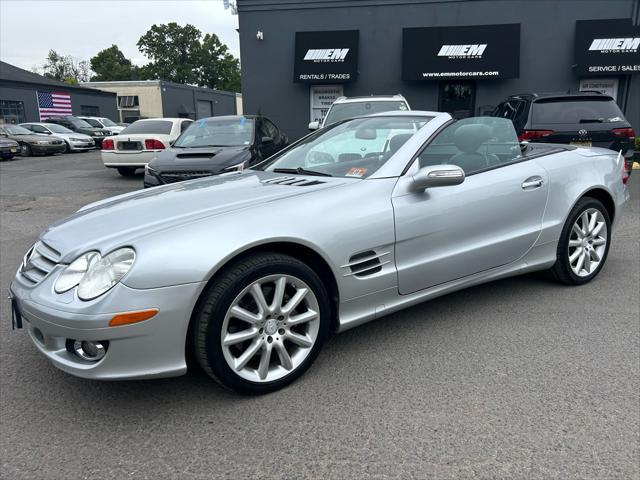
[[349, 107]]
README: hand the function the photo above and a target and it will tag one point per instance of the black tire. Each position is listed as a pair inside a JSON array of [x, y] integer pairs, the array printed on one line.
[[218, 297], [67, 147], [25, 150], [127, 171], [561, 270]]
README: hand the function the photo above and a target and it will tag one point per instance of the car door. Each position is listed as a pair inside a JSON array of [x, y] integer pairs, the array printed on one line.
[[39, 129], [491, 219], [279, 140], [267, 147]]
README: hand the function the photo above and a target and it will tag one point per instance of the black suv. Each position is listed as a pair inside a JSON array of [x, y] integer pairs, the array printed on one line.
[[582, 119], [216, 145], [79, 125]]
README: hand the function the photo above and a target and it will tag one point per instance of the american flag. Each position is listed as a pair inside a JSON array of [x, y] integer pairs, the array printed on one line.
[[53, 104]]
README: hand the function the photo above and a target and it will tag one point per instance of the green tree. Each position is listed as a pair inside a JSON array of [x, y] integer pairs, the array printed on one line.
[[65, 68], [173, 51], [111, 64], [219, 69], [180, 54]]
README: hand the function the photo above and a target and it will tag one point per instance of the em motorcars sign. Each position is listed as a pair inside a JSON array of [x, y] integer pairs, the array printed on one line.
[[481, 51], [326, 57], [606, 47]]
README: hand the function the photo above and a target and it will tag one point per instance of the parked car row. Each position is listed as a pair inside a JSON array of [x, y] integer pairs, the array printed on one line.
[[56, 135]]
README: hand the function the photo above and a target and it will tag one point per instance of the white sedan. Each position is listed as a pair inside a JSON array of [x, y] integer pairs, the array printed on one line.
[[140, 142]]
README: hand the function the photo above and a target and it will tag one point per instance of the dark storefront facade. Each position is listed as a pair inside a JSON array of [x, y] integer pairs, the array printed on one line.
[[463, 57], [21, 94]]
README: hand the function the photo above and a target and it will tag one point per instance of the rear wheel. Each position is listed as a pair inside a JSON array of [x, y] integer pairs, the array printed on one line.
[[127, 171], [261, 324], [584, 243]]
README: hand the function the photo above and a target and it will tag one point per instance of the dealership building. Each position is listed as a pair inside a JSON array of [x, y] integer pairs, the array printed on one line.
[[159, 98], [459, 56]]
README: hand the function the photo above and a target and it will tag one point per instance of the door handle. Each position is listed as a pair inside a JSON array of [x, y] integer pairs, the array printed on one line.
[[532, 182]]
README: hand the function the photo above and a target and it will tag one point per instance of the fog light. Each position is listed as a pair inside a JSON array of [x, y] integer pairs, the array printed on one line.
[[90, 351]]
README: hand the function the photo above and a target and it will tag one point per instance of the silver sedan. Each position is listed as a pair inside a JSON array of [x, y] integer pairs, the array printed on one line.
[[249, 272]]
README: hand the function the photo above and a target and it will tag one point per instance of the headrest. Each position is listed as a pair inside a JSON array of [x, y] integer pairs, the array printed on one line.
[[398, 140], [468, 138]]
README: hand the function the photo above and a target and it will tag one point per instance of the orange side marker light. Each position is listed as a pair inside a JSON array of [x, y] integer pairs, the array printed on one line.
[[132, 317]]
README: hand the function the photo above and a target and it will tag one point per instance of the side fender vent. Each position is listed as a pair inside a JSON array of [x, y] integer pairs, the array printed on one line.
[[365, 263]]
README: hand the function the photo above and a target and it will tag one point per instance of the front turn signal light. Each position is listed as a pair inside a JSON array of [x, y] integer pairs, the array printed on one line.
[[132, 317]]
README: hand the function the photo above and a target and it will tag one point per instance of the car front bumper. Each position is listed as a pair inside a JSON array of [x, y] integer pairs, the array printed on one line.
[[151, 348], [76, 146], [9, 151], [43, 149]]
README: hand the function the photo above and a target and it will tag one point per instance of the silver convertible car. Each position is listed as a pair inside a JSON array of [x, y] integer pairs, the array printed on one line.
[[246, 274]]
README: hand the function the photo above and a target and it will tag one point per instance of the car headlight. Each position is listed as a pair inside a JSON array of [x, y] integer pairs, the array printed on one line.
[[73, 139], [238, 167], [43, 142], [94, 274]]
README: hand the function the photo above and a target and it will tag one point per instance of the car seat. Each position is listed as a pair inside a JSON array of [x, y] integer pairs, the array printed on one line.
[[468, 139]]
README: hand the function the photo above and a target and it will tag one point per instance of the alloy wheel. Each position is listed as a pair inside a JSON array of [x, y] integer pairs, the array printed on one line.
[[270, 328], [587, 242]]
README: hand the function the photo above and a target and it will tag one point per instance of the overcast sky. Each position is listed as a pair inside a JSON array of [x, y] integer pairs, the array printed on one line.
[[81, 28]]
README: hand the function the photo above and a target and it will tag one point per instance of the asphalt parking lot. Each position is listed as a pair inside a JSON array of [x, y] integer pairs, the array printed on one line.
[[521, 378]]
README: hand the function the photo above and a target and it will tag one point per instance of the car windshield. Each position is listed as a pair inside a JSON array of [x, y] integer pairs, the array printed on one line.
[[17, 130], [342, 111], [108, 123], [354, 148], [160, 127], [58, 128], [93, 122], [575, 110], [78, 122], [217, 132]]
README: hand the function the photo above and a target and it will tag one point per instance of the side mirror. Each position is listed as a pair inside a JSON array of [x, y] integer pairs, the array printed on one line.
[[314, 126], [267, 140], [437, 176], [171, 142]]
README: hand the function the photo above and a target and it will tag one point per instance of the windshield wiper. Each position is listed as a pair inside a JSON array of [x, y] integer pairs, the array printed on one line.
[[301, 171]]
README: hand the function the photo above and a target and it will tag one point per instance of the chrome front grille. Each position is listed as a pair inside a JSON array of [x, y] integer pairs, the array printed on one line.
[[38, 263], [171, 177]]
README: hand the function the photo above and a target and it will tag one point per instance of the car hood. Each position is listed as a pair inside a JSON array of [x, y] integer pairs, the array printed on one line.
[[120, 220], [92, 130], [32, 138], [214, 159]]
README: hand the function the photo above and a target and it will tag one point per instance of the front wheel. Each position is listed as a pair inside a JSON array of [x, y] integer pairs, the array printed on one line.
[[25, 150], [261, 324], [127, 171], [584, 243]]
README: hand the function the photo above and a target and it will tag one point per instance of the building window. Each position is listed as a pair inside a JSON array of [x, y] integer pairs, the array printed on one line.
[[12, 112], [89, 110], [128, 101]]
